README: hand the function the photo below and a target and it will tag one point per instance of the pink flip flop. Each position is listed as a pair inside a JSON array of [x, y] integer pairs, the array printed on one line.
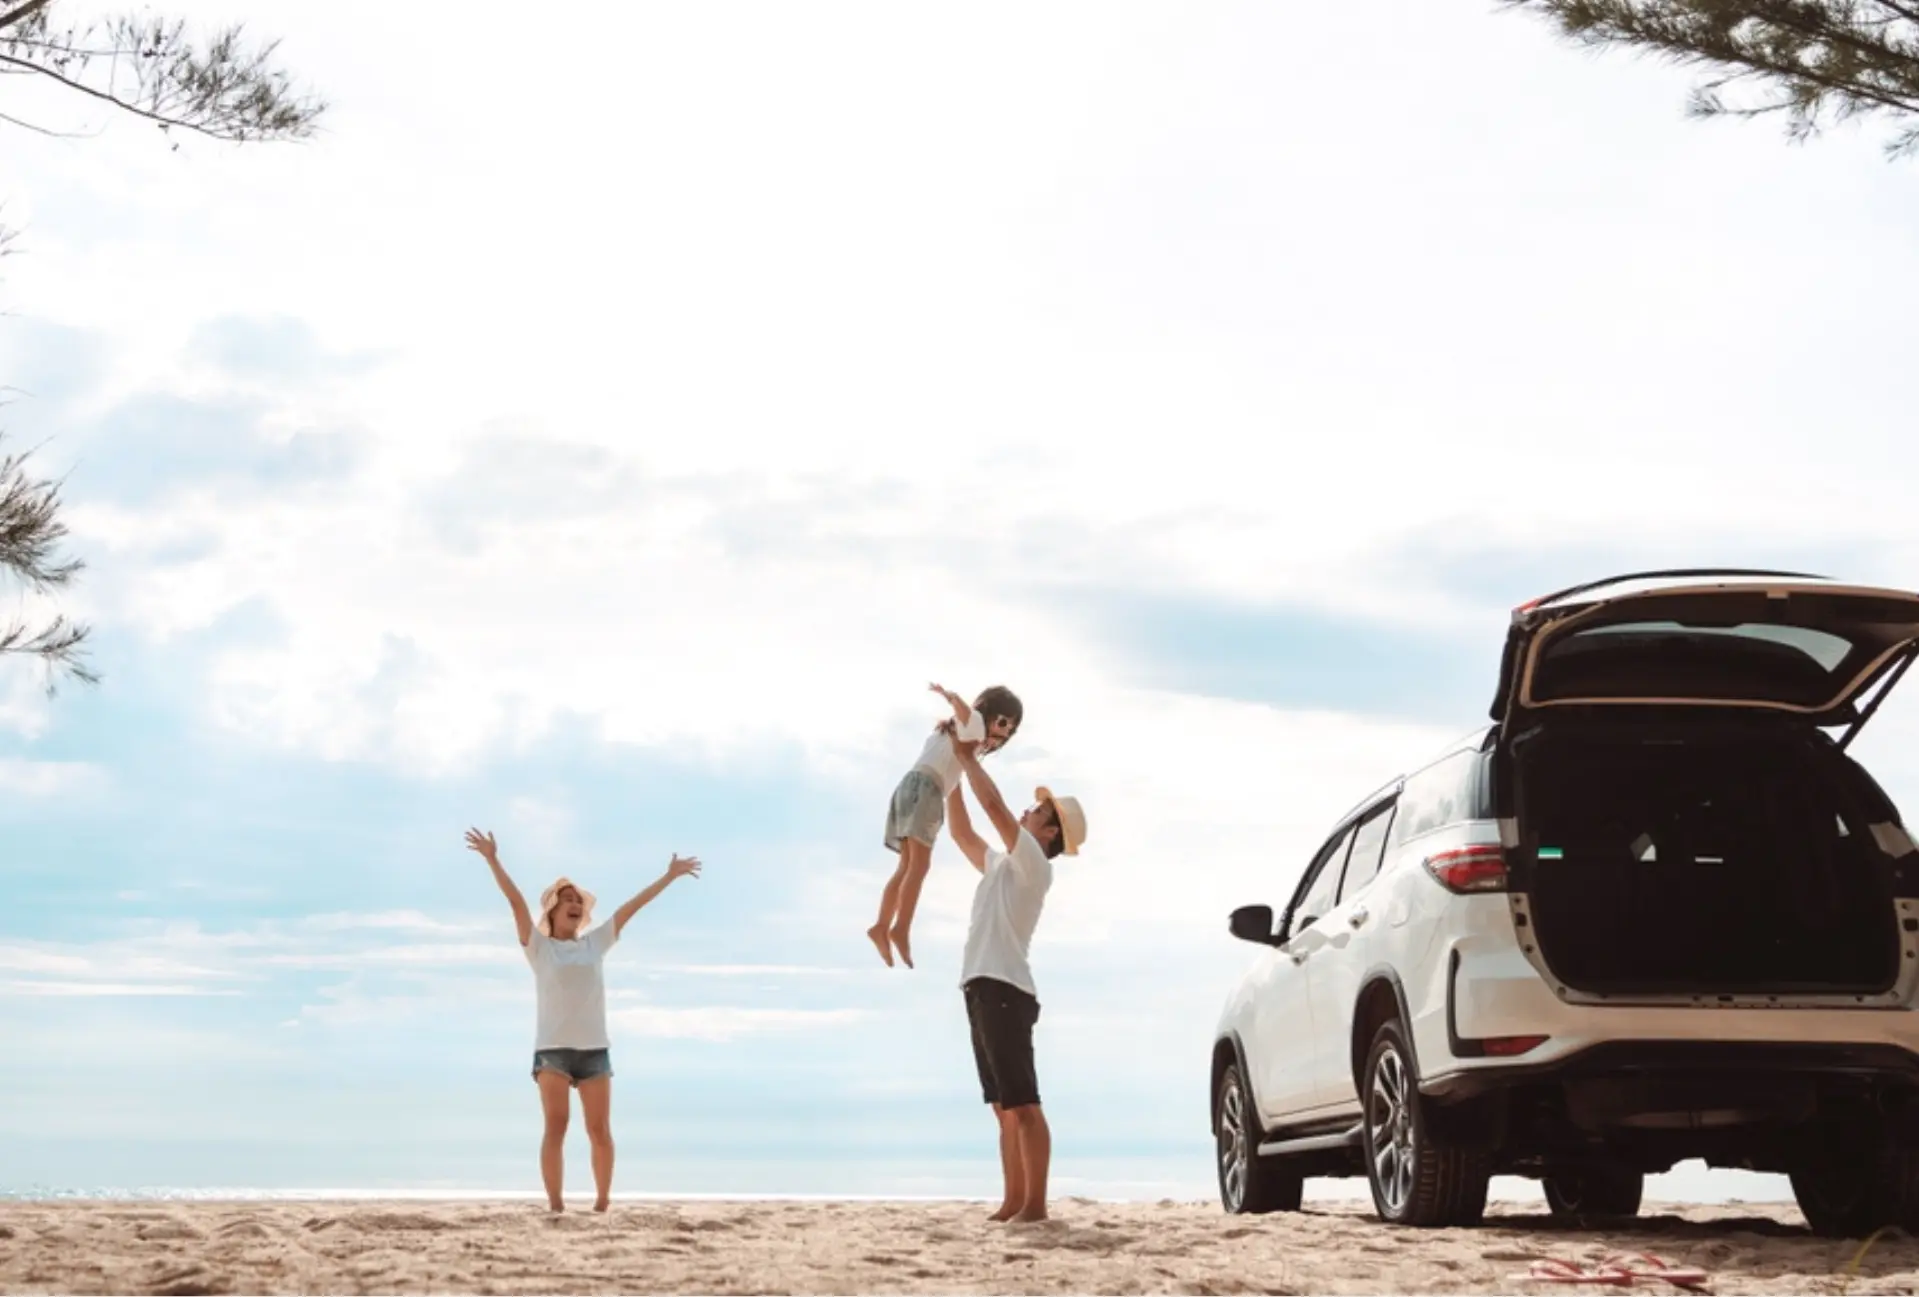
[[1619, 1270]]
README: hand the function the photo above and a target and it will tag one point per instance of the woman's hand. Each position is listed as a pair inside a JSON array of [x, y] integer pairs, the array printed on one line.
[[484, 844], [682, 866]]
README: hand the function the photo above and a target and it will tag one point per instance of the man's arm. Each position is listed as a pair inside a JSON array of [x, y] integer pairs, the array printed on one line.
[[679, 868], [490, 851], [960, 825], [988, 793]]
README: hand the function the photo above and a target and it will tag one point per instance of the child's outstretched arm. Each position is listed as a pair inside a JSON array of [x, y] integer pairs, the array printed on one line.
[[680, 867], [962, 710], [960, 825], [490, 851], [988, 793]]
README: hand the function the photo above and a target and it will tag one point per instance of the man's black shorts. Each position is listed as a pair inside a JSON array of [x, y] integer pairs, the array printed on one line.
[[1002, 1018]]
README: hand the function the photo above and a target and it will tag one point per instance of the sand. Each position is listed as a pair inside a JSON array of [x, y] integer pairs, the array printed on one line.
[[186, 1248]]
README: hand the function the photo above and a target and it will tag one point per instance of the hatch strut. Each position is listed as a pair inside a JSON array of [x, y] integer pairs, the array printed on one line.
[[1852, 731]]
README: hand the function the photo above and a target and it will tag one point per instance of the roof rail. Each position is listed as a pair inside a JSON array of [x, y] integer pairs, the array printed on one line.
[[1671, 571]]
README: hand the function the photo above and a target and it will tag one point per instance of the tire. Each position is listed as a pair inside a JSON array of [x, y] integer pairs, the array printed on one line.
[[1248, 1183], [1845, 1196], [1591, 1192], [1417, 1177]]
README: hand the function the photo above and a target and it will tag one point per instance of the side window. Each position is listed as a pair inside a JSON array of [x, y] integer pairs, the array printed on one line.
[[1322, 881], [1444, 793], [1369, 848]]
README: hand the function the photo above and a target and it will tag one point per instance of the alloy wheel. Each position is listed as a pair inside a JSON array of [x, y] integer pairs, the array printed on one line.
[[1389, 1131], [1235, 1150]]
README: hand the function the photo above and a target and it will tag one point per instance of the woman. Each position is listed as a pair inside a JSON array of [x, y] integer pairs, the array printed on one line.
[[569, 1043]]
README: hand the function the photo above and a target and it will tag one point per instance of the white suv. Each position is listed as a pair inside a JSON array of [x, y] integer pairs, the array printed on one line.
[[1653, 913]]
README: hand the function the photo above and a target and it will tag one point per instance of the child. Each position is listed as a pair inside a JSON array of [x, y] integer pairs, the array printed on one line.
[[919, 807]]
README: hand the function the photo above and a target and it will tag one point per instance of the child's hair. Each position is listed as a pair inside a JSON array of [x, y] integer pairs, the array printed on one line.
[[999, 701]]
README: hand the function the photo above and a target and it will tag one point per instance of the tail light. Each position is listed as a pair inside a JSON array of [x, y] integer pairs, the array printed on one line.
[[1469, 869], [1508, 1046]]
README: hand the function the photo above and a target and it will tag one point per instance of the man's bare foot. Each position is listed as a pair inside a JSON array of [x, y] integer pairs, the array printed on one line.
[[601, 1205], [1030, 1216], [903, 942], [1006, 1212], [877, 935]]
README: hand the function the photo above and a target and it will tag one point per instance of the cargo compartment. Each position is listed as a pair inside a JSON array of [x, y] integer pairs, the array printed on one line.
[[1705, 862]]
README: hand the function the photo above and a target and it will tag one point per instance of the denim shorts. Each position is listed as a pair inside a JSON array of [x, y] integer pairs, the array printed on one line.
[[917, 810], [576, 1065]]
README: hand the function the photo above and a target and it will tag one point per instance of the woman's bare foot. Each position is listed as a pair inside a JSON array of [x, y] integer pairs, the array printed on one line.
[[903, 942], [1006, 1212], [555, 1205], [877, 935], [1030, 1216], [601, 1205]]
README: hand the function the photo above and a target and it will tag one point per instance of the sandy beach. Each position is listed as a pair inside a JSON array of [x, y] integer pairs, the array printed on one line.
[[191, 1248]]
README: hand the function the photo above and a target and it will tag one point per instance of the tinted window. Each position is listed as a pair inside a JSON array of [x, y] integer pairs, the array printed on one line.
[[1447, 792], [1323, 886], [1369, 848]]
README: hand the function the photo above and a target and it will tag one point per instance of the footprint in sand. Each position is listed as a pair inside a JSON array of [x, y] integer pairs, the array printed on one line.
[[240, 1229], [370, 1222], [166, 1231]]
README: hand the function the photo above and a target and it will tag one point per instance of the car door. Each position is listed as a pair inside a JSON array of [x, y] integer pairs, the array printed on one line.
[[1283, 1047], [1344, 958]]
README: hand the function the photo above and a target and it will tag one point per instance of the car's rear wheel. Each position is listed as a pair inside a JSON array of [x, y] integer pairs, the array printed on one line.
[[1594, 1191], [1850, 1192], [1418, 1177], [1248, 1183]]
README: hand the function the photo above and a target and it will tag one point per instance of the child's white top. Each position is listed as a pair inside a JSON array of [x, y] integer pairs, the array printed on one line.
[[939, 759], [1006, 905], [569, 990]]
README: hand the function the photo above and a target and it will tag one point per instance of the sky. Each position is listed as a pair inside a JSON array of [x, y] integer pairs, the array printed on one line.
[[603, 432]]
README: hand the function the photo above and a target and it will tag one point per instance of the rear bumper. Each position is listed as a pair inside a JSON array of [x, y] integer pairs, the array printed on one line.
[[1489, 989], [1700, 1059]]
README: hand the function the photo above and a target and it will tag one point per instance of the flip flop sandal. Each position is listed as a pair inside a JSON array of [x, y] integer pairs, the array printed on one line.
[[1644, 1265]]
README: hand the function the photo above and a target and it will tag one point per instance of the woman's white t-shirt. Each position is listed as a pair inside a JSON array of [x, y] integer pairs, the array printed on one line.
[[568, 989]]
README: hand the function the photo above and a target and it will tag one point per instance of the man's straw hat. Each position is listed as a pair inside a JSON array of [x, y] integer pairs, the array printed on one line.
[[1072, 820]]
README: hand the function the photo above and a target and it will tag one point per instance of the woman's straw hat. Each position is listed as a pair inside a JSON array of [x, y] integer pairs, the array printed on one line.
[[551, 897]]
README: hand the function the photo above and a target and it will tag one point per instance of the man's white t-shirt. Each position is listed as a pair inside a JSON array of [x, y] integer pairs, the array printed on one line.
[[938, 757], [1006, 906], [568, 989]]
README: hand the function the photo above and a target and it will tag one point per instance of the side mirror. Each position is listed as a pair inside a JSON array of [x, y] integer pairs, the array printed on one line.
[[1253, 923]]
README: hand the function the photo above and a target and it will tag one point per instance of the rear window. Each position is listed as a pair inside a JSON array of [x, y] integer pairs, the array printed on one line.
[[1821, 647], [1447, 792]]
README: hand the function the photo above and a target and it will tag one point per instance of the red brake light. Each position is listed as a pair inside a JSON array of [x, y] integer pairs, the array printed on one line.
[[1469, 869], [1507, 1046]]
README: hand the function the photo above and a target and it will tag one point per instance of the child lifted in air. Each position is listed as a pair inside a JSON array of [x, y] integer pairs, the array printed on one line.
[[919, 807]]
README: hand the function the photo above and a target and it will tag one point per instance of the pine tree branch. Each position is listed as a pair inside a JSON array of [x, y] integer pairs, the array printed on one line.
[[27, 65], [20, 13]]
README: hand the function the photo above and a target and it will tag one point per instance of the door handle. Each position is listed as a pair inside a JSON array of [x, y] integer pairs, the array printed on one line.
[[1359, 916]]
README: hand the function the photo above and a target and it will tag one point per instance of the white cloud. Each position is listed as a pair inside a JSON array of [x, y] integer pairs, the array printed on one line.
[[718, 1022], [37, 779], [41, 986]]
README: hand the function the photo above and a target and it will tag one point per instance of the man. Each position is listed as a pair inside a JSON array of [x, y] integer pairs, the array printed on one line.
[[1001, 1003]]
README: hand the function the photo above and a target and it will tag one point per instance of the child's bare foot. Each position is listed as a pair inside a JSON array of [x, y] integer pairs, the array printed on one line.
[[877, 935], [903, 942]]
